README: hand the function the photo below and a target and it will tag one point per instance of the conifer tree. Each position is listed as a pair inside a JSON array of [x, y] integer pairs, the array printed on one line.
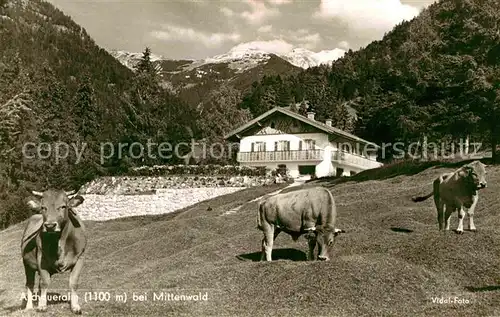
[[86, 113], [303, 107], [145, 66]]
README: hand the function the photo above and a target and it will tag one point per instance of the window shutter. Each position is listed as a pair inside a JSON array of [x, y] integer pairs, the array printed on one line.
[[252, 147], [276, 146], [300, 145]]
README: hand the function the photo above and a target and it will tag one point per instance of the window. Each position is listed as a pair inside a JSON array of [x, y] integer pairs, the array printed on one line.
[[307, 144], [282, 146], [310, 144], [258, 147]]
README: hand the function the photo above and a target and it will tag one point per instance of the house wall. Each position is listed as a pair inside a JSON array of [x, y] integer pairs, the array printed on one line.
[[293, 167], [320, 138], [322, 169]]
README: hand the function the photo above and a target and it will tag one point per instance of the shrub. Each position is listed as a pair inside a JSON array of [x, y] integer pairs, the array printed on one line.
[[198, 170], [282, 172], [13, 208]]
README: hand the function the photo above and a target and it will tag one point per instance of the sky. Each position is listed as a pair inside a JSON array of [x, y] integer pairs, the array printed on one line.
[[197, 29]]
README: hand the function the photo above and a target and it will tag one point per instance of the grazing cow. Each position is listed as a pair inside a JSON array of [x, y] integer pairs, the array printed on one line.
[[453, 191], [308, 211], [53, 242]]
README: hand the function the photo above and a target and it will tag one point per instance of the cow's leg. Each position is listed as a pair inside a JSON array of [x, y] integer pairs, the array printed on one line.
[[461, 215], [267, 242], [30, 285], [472, 227], [448, 210], [44, 285], [269, 239], [470, 213], [440, 214], [312, 244], [73, 284], [263, 253], [440, 210]]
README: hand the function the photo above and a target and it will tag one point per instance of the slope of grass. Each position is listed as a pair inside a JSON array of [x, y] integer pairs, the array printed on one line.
[[398, 168], [392, 261]]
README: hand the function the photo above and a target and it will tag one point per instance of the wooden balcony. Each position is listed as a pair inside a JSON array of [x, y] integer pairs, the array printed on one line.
[[308, 155], [354, 159], [280, 156]]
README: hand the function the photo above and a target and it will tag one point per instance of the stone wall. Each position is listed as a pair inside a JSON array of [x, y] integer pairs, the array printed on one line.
[[206, 170], [133, 185], [104, 207], [124, 196]]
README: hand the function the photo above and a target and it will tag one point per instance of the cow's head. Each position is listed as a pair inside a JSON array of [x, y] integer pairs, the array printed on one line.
[[54, 205], [325, 238], [476, 174]]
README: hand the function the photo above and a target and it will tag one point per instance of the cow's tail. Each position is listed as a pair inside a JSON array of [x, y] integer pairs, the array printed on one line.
[[421, 198]]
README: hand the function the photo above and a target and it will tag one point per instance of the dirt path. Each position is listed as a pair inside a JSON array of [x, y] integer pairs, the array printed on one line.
[[236, 209]]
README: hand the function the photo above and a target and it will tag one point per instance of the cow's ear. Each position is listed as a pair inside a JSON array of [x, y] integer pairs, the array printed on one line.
[[34, 203], [75, 201]]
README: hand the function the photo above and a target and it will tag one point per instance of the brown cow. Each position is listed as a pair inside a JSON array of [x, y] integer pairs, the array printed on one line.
[[456, 190], [308, 211], [53, 242]]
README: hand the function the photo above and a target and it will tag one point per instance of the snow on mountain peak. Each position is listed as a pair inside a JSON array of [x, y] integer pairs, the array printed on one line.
[[305, 58], [259, 51], [130, 59], [278, 47], [248, 55], [245, 56], [329, 56]]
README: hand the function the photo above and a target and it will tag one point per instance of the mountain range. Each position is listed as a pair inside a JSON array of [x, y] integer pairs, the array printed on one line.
[[240, 67], [243, 57]]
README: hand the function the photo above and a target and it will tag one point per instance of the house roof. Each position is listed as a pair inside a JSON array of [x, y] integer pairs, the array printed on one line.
[[314, 123]]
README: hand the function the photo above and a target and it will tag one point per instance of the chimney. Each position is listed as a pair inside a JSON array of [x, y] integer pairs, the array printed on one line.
[[310, 115], [328, 122]]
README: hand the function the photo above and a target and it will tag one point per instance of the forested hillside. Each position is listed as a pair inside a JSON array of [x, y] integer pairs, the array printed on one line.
[[436, 76], [57, 85], [215, 86]]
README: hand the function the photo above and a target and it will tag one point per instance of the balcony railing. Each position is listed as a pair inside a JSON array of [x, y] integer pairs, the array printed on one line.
[[353, 159], [273, 156], [308, 155]]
